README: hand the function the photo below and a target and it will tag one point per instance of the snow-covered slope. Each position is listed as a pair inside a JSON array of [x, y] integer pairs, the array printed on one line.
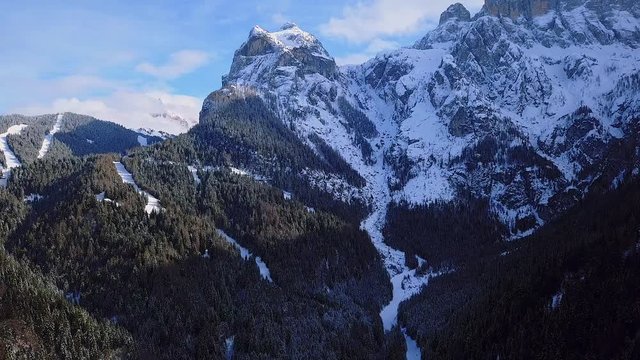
[[521, 109], [524, 104], [46, 143], [153, 204], [10, 159], [245, 254]]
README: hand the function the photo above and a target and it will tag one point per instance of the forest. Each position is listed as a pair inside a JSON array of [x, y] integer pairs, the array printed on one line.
[[570, 291], [166, 285], [86, 273]]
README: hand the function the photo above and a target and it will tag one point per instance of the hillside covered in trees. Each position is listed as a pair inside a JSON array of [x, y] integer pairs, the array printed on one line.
[[78, 135], [86, 272]]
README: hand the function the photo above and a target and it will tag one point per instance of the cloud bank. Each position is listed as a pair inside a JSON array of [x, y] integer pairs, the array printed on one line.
[[158, 110], [180, 63], [375, 19]]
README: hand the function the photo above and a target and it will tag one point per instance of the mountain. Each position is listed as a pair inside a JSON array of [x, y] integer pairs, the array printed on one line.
[[79, 134], [523, 104], [499, 123], [471, 196]]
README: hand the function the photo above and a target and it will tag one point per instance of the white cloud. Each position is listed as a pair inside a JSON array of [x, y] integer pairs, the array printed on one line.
[[130, 108], [279, 19], [378, 45], [372, 49], [180, 63], [352, 59], [382, 18]]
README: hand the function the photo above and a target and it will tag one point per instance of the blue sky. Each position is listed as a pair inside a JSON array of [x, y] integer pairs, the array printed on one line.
[[120, 60]]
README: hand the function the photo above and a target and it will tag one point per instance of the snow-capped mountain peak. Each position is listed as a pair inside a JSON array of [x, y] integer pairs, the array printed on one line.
[[519, 104], [456, 12], [288, 49]]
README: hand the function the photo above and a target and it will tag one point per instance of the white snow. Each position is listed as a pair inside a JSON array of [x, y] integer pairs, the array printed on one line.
[[194, 174], [291, 37], [413, 351], [153, 204], [618, 180], [286, 195], [11, 161], [246, 255], [33, 198], [101, 197], [46, 143], [10, 158], [405, 285], [147, 132], [142, 140], [242, 172], [228, 345], [556, 299]]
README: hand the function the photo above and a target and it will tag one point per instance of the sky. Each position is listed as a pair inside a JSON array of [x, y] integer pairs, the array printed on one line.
[[125, 60]]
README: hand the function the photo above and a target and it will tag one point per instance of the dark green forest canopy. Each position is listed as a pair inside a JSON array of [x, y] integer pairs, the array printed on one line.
[[570, 291], [86, 259], [79, 135], [147, 276]]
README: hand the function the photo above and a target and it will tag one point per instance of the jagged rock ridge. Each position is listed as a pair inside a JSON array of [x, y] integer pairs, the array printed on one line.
[[522, 104]]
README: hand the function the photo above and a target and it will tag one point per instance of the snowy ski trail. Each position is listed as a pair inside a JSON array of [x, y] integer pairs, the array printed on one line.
[[11, 161], [246, 255], [46, 143], [153, 204]]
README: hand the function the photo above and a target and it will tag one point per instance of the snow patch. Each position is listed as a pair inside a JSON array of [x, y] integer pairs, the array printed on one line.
[[228, 346], [142, 140], [33, 198], [11, 161], [102, 198], [46, 143], [246, 255], [153, 204], [413, 351], [556, 299], [194, 174], [242, 172]]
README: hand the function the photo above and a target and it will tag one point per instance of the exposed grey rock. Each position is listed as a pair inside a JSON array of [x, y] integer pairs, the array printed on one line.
[[456, 11], [524, 103]]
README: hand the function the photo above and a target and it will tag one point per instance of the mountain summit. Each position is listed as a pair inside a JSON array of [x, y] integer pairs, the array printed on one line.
[[520, 104], [529, 9], [288, 48]]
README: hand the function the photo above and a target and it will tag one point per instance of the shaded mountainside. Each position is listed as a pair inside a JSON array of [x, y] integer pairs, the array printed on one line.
[[352, 187], [568, 292], [78, 135], [147, 274]]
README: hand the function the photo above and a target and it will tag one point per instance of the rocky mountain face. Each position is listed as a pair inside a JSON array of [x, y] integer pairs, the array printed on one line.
[[524, 103]]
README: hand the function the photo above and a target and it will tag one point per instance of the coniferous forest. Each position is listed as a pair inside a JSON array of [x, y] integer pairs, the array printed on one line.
[[421, 180], [87, 273]]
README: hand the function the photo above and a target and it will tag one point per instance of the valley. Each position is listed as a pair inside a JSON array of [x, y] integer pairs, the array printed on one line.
[[473, 195]]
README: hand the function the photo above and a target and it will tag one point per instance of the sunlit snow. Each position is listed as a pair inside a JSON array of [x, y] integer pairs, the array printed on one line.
[[11, 161], [153, 204], [46, 143], [246, 255]]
